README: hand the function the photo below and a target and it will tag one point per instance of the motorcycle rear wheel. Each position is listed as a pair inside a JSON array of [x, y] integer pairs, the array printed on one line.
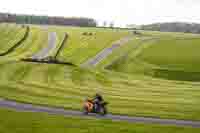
[[103, 111]]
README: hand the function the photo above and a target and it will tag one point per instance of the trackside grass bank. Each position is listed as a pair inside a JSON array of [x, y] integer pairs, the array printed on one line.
[[67, 86], [172, 56], [15, 122]]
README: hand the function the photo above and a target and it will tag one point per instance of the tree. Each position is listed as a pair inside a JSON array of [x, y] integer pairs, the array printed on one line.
[[104, 24], [111, 24]]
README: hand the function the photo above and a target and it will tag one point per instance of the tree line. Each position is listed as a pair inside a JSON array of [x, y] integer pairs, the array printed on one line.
[[49, 20], [173, 27]]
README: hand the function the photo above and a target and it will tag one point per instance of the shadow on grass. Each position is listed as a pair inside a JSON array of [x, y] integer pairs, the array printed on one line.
[[47, 61]]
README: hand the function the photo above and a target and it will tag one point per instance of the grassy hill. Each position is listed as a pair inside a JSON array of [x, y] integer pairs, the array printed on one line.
[[133, 79], [81, 46], [172, 57], [10, 35], [66, 86], [22, 122]]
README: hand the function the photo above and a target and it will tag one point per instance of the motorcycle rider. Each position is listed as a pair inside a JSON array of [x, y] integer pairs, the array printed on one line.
[[98, 99]]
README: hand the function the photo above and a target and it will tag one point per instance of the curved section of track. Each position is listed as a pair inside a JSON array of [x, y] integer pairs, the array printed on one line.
[[107, 51], [51, 45], [59, 111]]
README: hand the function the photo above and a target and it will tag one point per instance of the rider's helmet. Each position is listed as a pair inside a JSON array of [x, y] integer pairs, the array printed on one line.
[[97, 95]]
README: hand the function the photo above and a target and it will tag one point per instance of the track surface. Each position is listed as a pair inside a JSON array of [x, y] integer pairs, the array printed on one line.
[[59, 111], [107, 51], [51, 45]]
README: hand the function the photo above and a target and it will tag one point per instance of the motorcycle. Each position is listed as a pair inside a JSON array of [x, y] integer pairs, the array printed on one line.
[[90, 107]]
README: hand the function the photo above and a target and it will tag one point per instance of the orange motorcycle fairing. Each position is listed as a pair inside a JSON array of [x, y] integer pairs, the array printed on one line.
[[89, 106]]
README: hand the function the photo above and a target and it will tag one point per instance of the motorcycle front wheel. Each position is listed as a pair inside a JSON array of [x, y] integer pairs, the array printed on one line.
[[103, 111]]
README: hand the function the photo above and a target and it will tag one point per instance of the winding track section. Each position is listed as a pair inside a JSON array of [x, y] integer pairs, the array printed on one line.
[[59, 111], [91, 62], [51, 45], [105, 52]]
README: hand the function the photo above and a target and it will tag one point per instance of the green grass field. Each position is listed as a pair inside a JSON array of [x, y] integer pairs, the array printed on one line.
[[133, 84], [36, 40], [174, 54], [15, 122], [65, 86], [88, 46], [171, 57], [9, 36]]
